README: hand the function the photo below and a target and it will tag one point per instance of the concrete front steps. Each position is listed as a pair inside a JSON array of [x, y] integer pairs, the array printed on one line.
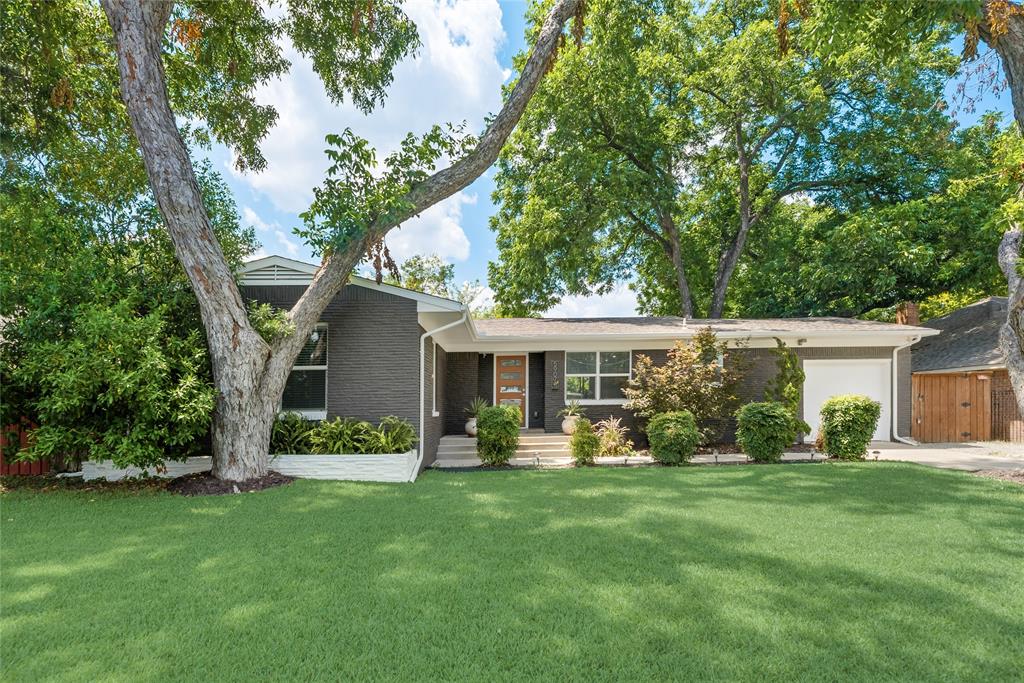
[[535, 447]]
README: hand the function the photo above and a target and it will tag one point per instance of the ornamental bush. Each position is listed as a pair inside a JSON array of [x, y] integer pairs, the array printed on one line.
[[584, 442], [673, 437], [497, 434], [847, 425], [613, 435], [346, 436], [764, 430], [290, 434]]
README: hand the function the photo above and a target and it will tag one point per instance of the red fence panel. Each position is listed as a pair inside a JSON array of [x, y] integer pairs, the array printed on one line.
[[19, 432]]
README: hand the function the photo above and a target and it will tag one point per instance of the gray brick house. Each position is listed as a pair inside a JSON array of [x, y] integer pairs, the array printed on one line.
[[384, 350]]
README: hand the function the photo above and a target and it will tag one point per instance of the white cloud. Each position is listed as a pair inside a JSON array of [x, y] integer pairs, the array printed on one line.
[[621, 301], [455, 76], [252, 218], [438, 230]]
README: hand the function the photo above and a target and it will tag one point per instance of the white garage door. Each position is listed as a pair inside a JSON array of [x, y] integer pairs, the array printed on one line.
[[828, 378]]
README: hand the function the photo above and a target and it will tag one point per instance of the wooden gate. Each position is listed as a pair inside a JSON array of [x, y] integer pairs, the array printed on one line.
[[952, 407]]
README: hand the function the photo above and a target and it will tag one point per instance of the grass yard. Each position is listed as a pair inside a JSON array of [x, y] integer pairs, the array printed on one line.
[[867, 571]]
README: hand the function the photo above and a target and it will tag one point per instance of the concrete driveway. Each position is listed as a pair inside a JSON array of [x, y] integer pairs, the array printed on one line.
[[971, 456]]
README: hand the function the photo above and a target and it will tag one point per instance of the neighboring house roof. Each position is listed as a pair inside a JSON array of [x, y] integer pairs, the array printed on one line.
[[674, 326], [969, 339]]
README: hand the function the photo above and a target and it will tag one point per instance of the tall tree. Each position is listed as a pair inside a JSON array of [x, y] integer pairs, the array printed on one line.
[[826, 261], [670, 132], [890, 28], [163, 48]]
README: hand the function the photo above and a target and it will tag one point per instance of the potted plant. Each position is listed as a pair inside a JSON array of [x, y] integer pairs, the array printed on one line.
[[475, 406], [569, 414]]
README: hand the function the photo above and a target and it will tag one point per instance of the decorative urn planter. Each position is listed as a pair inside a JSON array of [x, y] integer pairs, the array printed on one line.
[[471, 426], [569, 424]]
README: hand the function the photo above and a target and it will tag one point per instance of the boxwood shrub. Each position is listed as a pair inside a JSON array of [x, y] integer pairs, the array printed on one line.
[[497, 434], [584, 442], [763, 430], [847, 424], [673, 437]]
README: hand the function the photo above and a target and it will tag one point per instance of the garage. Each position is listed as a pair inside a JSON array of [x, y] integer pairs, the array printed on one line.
[[828, 378]]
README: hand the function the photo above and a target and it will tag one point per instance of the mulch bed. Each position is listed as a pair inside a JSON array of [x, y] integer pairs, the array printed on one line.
[[204, 484], [1016, 476], [731, 448]]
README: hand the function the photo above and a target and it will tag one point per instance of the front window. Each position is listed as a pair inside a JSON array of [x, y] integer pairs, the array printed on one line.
[[306, 390], [596, 376]]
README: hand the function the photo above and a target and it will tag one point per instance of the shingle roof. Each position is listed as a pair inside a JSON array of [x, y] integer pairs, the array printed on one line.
[[969, 339], [641, 326]]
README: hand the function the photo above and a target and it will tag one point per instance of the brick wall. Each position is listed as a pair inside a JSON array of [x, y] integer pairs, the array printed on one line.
[[373, 350], [536, 373], [462, 385], [434, 393]]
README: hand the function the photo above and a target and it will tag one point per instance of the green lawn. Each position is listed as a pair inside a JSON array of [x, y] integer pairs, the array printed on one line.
[[820, 572]]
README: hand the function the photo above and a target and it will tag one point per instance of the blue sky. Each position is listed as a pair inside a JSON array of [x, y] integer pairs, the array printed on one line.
[[467, 53]]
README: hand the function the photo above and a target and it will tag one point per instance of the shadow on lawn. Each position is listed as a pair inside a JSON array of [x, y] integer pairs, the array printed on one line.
[[815, 571]]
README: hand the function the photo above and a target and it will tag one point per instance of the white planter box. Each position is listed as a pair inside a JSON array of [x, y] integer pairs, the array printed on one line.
[[106, 469], [390, 467], [395, 467]]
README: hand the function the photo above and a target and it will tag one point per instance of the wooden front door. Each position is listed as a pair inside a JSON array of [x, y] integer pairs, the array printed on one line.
[[510, 382], [952, 407]]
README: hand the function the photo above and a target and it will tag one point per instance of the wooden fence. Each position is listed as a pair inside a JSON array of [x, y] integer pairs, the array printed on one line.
[[19, 433]]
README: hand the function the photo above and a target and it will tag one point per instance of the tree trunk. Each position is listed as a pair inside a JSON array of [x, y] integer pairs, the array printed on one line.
[[731, 256], [675, 254], [1010, 48], [249, 374]]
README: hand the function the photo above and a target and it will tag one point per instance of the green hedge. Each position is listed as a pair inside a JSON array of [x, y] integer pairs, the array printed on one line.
[[673, 437], [764, 430], [497, 434], [847, 424], [584, 442]]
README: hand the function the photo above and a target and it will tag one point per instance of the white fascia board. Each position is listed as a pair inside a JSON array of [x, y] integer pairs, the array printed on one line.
[[607, 342]]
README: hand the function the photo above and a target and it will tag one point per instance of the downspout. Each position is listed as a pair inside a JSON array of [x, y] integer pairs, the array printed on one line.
[[895, 396], [423, 373]]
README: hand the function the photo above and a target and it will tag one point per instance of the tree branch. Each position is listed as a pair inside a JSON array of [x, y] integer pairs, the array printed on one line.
[[334, 272]]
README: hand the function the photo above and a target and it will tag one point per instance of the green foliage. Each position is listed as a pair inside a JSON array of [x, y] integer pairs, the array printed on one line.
[[589, 186], [358, 193], [497, 435], [347, 436], [584, 444], [572, 409], [847, 425], [271, 323], [117, 388], [340, 436], [614, 439], [290, 434], [764, 430], [432, 275], [849, 260], [673, 437], [476, 405], [692, 380], [787, 386], [392, 435]]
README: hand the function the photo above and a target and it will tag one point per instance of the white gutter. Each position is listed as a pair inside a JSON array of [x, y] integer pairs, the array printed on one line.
[[423, 372], [895, 396]]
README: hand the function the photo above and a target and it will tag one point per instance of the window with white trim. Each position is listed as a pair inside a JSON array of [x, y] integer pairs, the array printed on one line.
[[597, 376], [306, 390]]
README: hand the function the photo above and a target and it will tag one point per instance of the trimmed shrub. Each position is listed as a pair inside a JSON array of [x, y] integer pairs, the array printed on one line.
[[613, 437], [584, 442], [763, 430], [847, 425], [497, 434], [290, 434], [673, 437]]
